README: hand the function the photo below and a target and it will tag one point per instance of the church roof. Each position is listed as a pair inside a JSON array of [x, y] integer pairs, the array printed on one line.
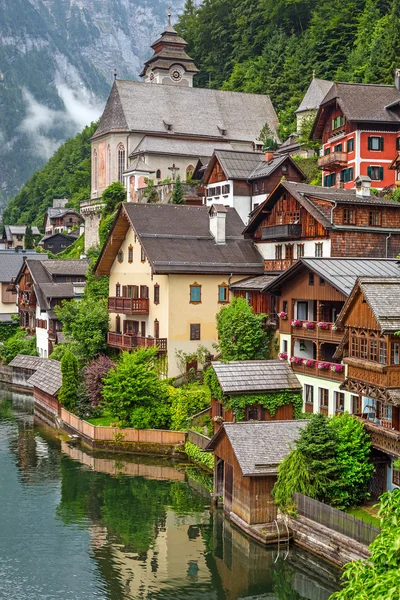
[[194, 112], [316, 92], [183, 147]]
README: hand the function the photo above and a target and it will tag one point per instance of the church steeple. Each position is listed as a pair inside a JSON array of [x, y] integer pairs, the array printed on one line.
[[170, 64]]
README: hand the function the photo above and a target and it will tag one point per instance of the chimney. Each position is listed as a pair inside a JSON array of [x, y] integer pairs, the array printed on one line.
[[60, 202], [269, 156], [363, 186], [397, 79], [217, 214]]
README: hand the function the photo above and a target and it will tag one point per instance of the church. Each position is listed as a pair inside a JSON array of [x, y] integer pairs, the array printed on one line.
[[161, 127]]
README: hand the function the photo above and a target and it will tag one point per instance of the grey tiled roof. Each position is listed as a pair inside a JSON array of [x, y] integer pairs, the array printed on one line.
[[183, 147], [48, 377], [383, 296], [139, 165], [67, 267], [253, 283], [136, 106], [316, 92], [365, 102], [239, 165], [260, 447], [57, 290], [251, 376], [12, 261], [55, 213], [27, 362], [11, 230], [342, 273], [177, 239]]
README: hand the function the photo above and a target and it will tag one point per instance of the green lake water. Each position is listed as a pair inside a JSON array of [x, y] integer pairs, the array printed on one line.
[[76, 526]]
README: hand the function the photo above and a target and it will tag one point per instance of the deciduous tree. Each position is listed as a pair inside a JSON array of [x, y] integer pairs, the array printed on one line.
[[70, 381]]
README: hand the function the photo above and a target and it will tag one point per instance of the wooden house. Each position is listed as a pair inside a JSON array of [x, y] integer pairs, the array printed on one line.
[[46, 383], [253, 377], [299, 220], [371, 316], [247, 456], [252, 288]]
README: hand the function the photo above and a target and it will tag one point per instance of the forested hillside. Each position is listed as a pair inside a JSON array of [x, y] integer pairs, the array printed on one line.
[[273, 46]]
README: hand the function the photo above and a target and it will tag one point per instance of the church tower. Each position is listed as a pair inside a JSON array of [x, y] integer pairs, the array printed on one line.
[[170, 64]]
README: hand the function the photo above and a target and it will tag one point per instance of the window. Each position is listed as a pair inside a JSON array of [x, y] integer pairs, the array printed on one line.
[[143, 328], [95, 170], [130, 254], [374, 218], [350, 145], [156, 329], [395, 476], [330, 180], [289, 251], [321, 281], [284, 306], [195, 293], [300, 250], [363, 348], [373, 350], [278, 252], [226, 189], [339, 402], [348, 216], [327, 151], [121, 162], [285, 169], [156, 294], [338, 148], [338, 122], [285, 346], [311, 279], [252, 413], [158, 174], [354, 346], [302, 311], [398, 144], [355, 405], [218, 190], [375, 173], [382, 352], [351, 173], [309, 394], [195, 331], [142, 255], [323, 398], [375, 143], [395, 353], [189, 172], [120, 256], [223, 293], [144, 292], [108, 166], [319, 250]]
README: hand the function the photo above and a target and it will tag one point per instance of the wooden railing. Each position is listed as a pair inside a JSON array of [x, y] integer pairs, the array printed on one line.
[[318, 333], [315, 371], [332, 159], [132, 342], [278, 264], [129, 306]]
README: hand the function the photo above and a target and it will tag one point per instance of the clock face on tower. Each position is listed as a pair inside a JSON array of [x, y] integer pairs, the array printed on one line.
[[176, 73]]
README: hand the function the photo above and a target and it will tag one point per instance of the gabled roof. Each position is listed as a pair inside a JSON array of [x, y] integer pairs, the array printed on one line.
[[139, 165], [315, 94], [10, 230], [71, 236], [68, 267], [253, 283], [259, 447], [11, 262], [48, 377], [253, 376], [383, 297], [193, 112], [177, 239], [179, 147], [23, 361], [341, 273], [56, 213]]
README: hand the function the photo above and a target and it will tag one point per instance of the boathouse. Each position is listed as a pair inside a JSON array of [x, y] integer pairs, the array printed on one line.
[[46, 383], [247, 456], [23, 367]]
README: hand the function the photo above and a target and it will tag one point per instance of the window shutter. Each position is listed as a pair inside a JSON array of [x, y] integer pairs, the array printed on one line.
[[333, 123], [124, 291], [369, 147], [381, 143], [381, 173], [369, 173], [135, 291]]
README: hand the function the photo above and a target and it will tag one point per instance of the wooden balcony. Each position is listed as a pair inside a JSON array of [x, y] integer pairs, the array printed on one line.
[[314, 371], [323, 334], [281, 232], [129, 306], [383, 436], [278, 264], [133, 342], [381, 375], [332, 161]]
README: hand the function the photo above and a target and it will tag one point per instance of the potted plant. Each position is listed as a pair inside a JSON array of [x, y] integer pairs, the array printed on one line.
[[323, 325], [282, 315], [296, 360], [283, 355], [308, 325], [323, 366], [309, 362], [296, 323], [337, 368]]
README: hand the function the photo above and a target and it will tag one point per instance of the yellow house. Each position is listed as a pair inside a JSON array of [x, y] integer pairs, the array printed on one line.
[[170, 268]]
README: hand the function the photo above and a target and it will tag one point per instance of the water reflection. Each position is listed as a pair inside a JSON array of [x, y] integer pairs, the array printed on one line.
[[76, 526]]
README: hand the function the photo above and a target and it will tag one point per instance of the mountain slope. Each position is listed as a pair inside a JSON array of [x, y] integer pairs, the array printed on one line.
[[56, 64]]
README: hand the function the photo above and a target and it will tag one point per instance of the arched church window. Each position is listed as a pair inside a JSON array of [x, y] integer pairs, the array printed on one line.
[[108, 166], [158, 174], [189, 172], [95, 169], [121, 162]]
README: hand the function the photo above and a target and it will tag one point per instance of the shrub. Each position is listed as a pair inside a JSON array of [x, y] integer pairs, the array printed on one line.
[[185, 402], [19, 343], [203, 458], [70, 381], [93, 375]]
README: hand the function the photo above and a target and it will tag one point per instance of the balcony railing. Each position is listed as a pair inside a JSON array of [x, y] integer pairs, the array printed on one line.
[[320, 368], [332, 160], [280, 264], [383, 437], [129, 306], [132, 342], [281, 232], [316, 330]]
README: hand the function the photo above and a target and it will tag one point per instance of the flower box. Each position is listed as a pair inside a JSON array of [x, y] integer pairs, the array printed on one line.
[[296, 323], [282, 315], [308, 362], [308, 325], [296, 360], [323, 325], [337, 368], [283, 355], [323, 366]]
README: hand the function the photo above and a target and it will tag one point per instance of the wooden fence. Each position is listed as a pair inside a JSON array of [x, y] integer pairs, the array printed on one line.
[[339, 521], [112, 434], [199, 439]]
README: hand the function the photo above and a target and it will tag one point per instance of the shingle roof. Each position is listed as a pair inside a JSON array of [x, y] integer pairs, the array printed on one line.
[[251, 376], [365, 102], [342, 273], [12, 261], [67, 267], [54, 213], [260, 447], [253, 283], [57, 290], [239, 165], [139, 106], [48, 377], [183, 147], [11, 230], [315, 94], [177, 239], [23, 361], [383, 296], [139, 165]]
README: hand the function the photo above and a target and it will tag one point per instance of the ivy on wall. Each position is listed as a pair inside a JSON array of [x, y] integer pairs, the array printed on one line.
[[271, 401]]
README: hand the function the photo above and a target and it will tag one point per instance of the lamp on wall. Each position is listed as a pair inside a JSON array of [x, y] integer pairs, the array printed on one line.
[[302, 346]]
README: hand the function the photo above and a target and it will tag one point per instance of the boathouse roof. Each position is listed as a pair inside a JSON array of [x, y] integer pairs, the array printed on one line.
[[251, 376]]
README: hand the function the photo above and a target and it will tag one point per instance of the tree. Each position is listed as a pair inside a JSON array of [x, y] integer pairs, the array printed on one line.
[[241, 333], [85, 323], [177, 194], [113, 196], [378, 577], [134, 394], [70, 380], [93, 374], [150, 192], [19, 343], [29, 241]]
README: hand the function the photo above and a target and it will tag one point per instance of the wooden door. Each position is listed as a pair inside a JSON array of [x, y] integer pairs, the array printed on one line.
[[228, 487], [377, 483]]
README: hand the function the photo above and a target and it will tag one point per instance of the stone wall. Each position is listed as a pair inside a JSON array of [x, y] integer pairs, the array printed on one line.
[[91, 212], [165, 190]]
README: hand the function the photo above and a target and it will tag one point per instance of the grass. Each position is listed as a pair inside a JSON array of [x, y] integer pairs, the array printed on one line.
[[103, 421], [364, 515]]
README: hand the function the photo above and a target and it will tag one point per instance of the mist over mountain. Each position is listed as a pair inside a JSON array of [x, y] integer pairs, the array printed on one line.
[[56, 67]]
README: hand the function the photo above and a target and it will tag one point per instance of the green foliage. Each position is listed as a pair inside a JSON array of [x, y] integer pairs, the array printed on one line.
[[150, 192], [185, 402], [105, 227], [241, 333], [74, 251], [85, 323], [96, 286], [134, 394], [8, 330], [177, 194], [295, 476], [309, 166], [113, 196], [70, 381], [377, 578], [203, 458], [67, 174], [19, 343], [201, 356], [29, 241], [201, 477], [59, 351]]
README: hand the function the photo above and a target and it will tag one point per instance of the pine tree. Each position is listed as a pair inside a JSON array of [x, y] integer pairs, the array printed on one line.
[[70, 380], [29, 241], [177, 194], [150, 192]]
